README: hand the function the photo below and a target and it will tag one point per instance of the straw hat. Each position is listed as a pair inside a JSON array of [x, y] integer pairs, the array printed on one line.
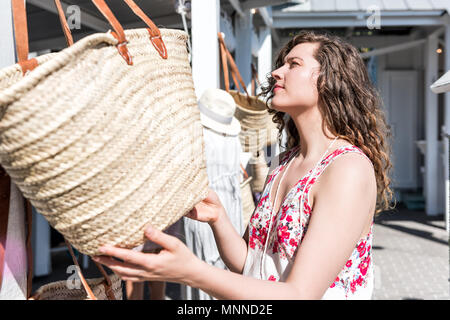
[[217, 112]]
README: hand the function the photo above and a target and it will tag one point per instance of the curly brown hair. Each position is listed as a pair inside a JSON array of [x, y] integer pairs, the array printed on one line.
[[348, 102]]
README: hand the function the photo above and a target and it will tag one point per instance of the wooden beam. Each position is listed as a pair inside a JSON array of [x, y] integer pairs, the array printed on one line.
[[236, 5], [266, 15], [252, 4], [394, 48], [355, 19]]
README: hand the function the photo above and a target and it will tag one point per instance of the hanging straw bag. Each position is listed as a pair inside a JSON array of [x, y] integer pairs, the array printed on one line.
[[272, 130], [108, 287], [248, 202], [259, 170], [250, 110], [104, 137]]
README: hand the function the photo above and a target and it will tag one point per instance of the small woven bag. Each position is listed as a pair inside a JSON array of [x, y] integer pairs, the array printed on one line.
[[252, 113], [259, 171], [104, 136], [108, 287], [248, 202]]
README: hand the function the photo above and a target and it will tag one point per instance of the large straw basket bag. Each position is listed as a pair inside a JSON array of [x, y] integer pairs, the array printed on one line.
[[251, 112], [104, 137], [259, 171], [248, 202]]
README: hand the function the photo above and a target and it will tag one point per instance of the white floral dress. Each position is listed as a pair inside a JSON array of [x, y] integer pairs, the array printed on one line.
[[287, 229]]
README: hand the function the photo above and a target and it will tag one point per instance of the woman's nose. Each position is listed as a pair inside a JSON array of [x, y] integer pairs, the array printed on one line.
[[277, 74]]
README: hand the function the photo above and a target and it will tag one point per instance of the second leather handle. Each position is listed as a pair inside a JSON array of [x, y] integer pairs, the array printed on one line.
[[119, 33], [233, 67], [155, 33]]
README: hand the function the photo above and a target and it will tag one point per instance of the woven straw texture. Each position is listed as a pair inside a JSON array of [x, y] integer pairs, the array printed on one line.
[[248, 205], [60, 291], [101, 148], [257, 128], [259, 171]]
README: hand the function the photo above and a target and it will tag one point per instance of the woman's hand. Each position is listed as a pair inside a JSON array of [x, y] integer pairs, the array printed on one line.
[[174, 263], [208, 210]]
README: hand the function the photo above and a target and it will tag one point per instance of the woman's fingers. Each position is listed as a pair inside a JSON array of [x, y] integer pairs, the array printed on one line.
[[121, 268], [128, 256], [164, 240], [132, 279]]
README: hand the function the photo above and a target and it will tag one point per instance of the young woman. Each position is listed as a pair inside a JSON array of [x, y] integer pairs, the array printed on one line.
[[310, 236]]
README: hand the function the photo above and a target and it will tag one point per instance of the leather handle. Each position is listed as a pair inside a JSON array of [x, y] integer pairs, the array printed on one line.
[[234, 69], [64, 24], [107, 282], [244, 171], [83, 280], [20, 29], [21, 33], [224, 56], [21, 36], [153, 30], [118, 33], [226, 78]]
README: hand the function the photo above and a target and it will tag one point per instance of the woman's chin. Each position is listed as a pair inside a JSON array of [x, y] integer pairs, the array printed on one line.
[[277, 106]]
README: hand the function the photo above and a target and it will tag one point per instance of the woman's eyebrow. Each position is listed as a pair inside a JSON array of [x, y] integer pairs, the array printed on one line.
[[292, 58]]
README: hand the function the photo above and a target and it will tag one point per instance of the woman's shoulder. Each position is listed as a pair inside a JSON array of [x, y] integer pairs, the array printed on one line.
[[349, 164]]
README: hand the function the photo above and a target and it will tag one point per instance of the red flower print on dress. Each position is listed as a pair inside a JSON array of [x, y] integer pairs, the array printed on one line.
[[293, 243], [361, 246], [283, 234], [362, 249], [306, 208], [272, 278], [353, 286], [284, 209], [289, 218], [349, 263], [334, 283], [364, 265], [251, 243], [262, 200], [275, 247], [359, 281]]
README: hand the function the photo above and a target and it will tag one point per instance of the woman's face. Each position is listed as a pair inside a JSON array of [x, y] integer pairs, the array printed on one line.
[[296, 80]]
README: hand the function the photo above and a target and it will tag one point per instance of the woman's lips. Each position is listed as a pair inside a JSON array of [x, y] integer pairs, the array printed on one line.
[[277, 88]]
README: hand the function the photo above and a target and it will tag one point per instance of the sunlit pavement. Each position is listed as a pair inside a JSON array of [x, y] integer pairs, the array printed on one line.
[[411, 256]]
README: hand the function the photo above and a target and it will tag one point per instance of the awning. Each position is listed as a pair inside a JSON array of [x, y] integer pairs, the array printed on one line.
[[442, 84]]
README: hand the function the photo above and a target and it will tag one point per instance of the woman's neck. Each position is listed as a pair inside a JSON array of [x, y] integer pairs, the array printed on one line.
[[313, 141]]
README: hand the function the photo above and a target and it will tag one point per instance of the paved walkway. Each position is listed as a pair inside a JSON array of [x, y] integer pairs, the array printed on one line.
[[411, 256]]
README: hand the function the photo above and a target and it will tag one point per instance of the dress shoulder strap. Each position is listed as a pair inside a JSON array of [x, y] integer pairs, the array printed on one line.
[[328, 160]]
